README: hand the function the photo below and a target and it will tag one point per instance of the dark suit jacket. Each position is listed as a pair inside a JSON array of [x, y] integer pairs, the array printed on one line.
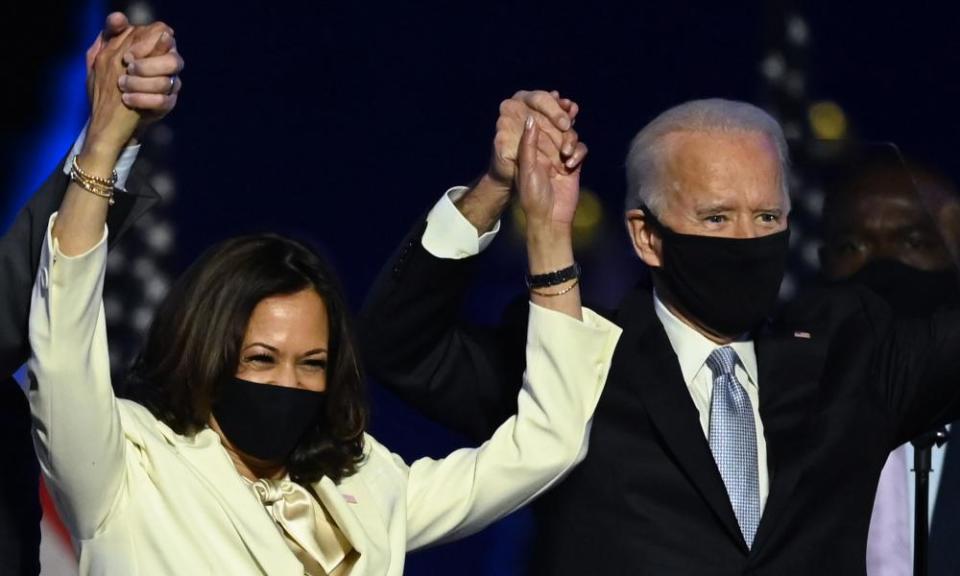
[[19, 257], [841, 383]]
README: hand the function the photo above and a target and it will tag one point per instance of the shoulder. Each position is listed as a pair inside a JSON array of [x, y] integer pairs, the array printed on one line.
[[141, 427], [381, 473], [836, 304]]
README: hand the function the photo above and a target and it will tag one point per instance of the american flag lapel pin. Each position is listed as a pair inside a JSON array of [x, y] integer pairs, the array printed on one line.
[[801, 334]]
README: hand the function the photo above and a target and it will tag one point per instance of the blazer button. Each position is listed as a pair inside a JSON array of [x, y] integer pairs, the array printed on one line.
[[44, 278]]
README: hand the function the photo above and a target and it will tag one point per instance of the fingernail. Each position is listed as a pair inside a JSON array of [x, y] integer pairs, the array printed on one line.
[[529, 124], [125, 98], [564, 123], [128, 58], [164, 36], [130, 68], [123, 81], [570, 163]]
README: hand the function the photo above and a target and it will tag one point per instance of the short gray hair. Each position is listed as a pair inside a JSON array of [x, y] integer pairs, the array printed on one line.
[[645, 159]]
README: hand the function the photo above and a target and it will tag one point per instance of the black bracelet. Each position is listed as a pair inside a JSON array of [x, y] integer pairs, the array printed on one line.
[[553, 278]]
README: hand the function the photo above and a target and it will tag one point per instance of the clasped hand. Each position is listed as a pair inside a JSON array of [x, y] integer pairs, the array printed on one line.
[[132, 81], [537, 151]]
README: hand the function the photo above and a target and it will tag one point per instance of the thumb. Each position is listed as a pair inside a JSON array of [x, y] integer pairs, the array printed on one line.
[[115, 24], [527, 151]]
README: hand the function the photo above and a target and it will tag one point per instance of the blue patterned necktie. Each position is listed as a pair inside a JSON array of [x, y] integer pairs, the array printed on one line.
[[733, 440]]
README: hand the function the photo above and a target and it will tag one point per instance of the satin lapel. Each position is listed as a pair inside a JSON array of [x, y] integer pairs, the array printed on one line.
[[131, 205], [655, 371], [354, 508], [211, 464], [790, 363]]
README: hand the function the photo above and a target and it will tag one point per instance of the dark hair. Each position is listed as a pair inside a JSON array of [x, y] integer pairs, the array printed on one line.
[[194, 345]]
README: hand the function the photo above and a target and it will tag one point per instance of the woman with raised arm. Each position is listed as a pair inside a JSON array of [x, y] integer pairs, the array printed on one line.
[[244, 449]]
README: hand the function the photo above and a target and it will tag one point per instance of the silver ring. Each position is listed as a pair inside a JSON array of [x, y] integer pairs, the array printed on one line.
[[173, 83]]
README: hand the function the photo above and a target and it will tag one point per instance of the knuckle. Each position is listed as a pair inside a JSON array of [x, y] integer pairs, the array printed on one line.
[[510, 106], [540, 98]]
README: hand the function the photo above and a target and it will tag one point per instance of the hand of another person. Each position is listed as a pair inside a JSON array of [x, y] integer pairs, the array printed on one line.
[[556, 139], [151, 82]]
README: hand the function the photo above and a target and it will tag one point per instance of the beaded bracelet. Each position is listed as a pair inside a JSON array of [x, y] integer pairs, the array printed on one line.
[[559, 293], [553, 278], [102, 187]]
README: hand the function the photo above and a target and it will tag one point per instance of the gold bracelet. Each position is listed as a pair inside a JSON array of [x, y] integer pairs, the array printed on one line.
[[111, 181], [93, 186], [560, 293]]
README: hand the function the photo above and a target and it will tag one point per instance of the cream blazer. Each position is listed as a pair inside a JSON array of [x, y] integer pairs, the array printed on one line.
[[140, 499]]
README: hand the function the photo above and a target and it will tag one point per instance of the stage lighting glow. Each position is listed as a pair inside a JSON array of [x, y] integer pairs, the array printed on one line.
[[827, 120], [586, 222]]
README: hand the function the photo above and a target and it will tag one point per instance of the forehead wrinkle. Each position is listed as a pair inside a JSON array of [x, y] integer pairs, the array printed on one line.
[[724, 165]]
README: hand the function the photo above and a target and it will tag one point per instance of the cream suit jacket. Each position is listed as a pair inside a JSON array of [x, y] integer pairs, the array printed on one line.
[[140, 499]]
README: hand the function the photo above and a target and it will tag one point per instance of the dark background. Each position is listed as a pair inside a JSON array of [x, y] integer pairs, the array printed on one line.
[[342, 123]]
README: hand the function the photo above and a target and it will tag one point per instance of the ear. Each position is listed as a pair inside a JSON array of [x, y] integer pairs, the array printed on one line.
[[646, 241]]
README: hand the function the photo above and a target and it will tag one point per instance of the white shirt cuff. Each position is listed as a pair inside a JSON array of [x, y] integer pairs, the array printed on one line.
[[124, 162], [449, 234]]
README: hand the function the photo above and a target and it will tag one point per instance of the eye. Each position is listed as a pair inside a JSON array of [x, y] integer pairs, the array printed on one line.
[[259, 359], [769, 218], [716, 219], [316, 364]]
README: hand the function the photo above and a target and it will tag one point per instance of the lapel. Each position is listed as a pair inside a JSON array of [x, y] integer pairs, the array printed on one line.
[[655, 372], [206, 458], [790, 362], [139, 198]]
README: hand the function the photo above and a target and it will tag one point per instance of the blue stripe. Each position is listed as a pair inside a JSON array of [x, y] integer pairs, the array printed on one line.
[[66, 101]]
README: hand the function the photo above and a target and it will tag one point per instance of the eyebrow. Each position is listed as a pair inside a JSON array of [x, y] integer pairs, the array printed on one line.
[[274, 349], [718, 208], [713, 209]]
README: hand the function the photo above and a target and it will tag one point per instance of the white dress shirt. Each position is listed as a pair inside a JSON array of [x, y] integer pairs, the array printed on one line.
[[692, 349], [123, 166], [450, 235]]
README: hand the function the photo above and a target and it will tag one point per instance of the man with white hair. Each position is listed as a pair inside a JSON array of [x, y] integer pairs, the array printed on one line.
[[725, 442]]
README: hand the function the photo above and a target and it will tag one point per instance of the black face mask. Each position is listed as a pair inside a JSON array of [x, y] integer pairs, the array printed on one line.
[[264, 420], [908, 290], [728, 285]]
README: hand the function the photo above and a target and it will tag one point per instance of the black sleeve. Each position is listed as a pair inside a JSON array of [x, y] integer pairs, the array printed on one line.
[[20, 255], [415, 343], [920, 361]]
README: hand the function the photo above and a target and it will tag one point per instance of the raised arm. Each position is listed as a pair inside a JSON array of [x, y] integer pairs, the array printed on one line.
[[414, 339], [20, 244], [568, 355], [77, 427]]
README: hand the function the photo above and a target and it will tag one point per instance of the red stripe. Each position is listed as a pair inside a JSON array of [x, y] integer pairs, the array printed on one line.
[[51, 516]]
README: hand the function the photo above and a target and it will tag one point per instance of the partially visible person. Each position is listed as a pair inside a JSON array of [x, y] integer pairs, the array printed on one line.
[[896, 233], [247, 451], [726, 442], [151, 86]]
